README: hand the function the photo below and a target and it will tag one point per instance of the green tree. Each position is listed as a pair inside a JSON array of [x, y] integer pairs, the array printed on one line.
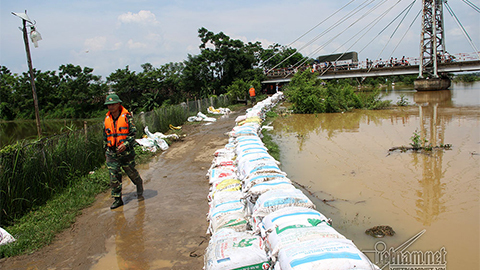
[[227, 59], [280, 57], [125, 83], [79, 90], [8, 82]]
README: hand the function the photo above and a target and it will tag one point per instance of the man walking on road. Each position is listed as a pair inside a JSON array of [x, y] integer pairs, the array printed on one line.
[[119, 140]]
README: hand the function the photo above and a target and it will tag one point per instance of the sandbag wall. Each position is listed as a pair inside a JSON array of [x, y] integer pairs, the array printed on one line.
[[258, 219]]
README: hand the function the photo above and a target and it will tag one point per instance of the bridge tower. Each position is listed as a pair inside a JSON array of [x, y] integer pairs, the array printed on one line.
[[432, 47]]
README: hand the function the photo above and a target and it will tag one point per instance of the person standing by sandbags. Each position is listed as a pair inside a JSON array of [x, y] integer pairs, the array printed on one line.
[[251, 91], [119, 141]]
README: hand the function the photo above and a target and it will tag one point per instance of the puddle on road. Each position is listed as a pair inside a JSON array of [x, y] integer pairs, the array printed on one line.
[[344, 159]]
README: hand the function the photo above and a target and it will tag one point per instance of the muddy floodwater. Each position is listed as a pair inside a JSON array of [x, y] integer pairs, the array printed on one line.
[[344, 163]]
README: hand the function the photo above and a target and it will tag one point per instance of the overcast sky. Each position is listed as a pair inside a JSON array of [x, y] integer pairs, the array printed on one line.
[[110, 34]]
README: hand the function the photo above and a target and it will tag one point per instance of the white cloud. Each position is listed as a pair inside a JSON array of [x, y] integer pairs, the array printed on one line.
[[142, 17], [95, 44], [135, 45]]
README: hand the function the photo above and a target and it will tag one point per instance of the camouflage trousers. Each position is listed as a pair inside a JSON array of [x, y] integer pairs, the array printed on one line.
[[115, 166]]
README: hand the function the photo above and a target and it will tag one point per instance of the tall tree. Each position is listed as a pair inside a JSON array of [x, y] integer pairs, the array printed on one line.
[[125, 83], [8, 82]]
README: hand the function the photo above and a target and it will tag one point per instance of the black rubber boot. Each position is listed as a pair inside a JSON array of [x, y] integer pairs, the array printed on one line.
[[140, 189], [117, 203]]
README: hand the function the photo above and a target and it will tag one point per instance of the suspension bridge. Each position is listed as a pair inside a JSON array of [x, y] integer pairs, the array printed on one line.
[[432, 65]]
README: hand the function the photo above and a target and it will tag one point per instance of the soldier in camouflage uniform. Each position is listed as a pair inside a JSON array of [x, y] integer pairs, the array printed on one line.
[[119, 141]]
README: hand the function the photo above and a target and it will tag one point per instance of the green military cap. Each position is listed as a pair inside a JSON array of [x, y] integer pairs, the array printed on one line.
[[112, 99]]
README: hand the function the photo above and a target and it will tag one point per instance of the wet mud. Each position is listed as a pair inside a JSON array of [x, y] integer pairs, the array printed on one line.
[[164, 230]]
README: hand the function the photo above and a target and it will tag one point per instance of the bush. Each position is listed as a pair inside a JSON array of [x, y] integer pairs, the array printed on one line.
[[308, 94]]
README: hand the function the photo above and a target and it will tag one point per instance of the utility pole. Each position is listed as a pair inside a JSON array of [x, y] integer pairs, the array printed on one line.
[[37, 37]]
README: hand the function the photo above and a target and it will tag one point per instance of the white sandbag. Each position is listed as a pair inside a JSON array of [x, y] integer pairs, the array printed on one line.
[[249, 157], [221, 173], [246, 156], [221, 162], [226, 185], [224, 152], [293, 216], [273, 200], [227, 214], [239, 140], [254, 179], [255, 191], [229, 249], [212, 110], [239, 131], [158, 138], [281, 237], [226, 197], [201, 117], [320, 254], [259, 166], [247, 148], [240, 118], [5, 237]]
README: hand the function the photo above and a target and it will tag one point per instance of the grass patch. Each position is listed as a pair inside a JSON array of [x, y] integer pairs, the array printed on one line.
[[38, 227], [267, 139]]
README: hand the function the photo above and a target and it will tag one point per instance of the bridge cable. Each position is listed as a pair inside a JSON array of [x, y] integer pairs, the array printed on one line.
[[291, 43], [338, 22], [301, 62], [332, 39], [463, 29], [391, 36], [477, 9], [385, 28], [388, 25], [409, 27], [370, 26]]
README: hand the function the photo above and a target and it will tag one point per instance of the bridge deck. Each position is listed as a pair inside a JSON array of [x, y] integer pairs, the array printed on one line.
[[378, 72]]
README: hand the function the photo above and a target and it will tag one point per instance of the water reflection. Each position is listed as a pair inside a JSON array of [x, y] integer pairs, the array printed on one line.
[[432, 128], [129, 240]]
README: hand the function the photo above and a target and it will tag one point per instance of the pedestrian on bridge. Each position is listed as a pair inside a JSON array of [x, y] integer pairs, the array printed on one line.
[[119, 141]]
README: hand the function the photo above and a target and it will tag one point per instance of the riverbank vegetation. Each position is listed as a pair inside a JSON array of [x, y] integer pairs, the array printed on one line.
[[309, 94], [467, 78]]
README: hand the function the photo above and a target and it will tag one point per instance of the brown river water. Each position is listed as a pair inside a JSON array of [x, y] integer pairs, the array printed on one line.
[[343, 162]]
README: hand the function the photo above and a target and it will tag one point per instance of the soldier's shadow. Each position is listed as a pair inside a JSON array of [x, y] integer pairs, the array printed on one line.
[[147, 194]]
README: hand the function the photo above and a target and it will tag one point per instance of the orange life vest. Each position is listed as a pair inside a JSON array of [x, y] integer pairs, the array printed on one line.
[[252, 92], [116, 131]]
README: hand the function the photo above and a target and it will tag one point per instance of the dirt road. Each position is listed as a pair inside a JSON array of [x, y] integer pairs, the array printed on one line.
[[166, 230]]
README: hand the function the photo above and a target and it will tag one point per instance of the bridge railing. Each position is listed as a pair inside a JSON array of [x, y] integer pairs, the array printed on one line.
[[380, 63]]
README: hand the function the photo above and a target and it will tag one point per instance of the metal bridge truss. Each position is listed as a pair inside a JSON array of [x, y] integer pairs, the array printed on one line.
[[432, 41]]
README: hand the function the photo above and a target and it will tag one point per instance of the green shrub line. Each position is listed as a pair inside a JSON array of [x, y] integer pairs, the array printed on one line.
[[309, 94]]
